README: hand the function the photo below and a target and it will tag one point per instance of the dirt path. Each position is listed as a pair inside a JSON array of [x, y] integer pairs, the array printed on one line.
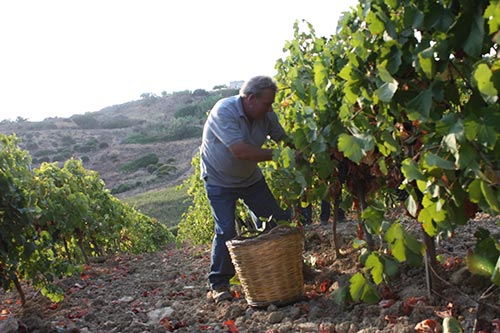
[[167, 291]]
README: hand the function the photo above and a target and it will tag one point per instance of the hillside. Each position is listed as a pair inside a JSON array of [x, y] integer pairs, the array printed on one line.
[[135, 147]]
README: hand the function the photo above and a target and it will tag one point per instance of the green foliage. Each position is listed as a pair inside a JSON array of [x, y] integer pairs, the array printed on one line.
[[68, 140], [362, 289], [31, 145], [44, 152], [166, 205], [85, 121], [200, 93], [182, 128], [42, 126], [197, 224], [201, 106], [86, 147], [485, 259], [162, 170], [187, 111], [17, 208], [176, 129], [122, 188], [53, 219], [118, 122], [140, 162], [408, 94]]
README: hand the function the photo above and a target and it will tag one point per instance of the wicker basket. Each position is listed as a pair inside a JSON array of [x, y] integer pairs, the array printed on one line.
[[269, 266]]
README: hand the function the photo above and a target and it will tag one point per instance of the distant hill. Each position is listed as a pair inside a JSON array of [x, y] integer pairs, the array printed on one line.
[[135, 146]]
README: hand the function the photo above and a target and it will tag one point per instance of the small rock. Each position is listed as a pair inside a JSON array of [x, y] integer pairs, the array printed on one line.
[[402, 328], [9, 325], [249, 312], [275, 317], [99, 301], [126, 299], [233, 311], [368, 330], [285, 328], [327, 327], [272, 308], [343, 327], [90, 317], [308, 327], [72, 330], [156, 315], [353, 328], [294, 312], [315, 312], [459, 276]]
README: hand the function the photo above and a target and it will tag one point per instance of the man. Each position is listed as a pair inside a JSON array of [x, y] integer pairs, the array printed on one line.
[[233, 136]]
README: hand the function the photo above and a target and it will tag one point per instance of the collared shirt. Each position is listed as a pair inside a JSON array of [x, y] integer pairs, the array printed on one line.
[[226, 125]]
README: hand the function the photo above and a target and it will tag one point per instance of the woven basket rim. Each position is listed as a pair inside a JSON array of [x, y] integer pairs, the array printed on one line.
[[276, 232]]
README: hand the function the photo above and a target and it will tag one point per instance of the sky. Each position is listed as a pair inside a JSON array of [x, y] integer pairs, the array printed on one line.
[[64, 57]]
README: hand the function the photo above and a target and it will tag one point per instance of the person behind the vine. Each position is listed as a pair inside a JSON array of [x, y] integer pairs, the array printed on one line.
[[326, 206], [233, 135], [324, 215]]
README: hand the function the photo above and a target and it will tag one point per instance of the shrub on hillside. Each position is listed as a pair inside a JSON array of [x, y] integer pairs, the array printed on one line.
[[186, 111], [177, 129], [164, 170], [200, 93], [86, 147], [85, 121], [31, 145], [41, 125], [141, 162], [62, 156], [44, 152], [68, 140], [118, 122], [182, 128]]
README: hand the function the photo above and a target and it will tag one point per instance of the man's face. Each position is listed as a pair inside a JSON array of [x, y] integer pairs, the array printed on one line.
[[262, 104]]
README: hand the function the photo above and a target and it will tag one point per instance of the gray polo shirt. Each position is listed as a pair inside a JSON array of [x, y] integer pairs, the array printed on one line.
[[227, 124]]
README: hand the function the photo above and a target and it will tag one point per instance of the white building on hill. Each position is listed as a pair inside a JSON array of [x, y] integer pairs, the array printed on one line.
[[235, 84]]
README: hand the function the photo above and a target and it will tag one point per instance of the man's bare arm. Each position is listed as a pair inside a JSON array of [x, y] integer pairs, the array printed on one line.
[[245, 151]]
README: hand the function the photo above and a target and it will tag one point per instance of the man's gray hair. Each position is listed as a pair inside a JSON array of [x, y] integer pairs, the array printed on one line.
[[256, 85]]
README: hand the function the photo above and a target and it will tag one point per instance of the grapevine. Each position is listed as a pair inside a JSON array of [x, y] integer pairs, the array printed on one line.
[[406, 92], [53, 219]]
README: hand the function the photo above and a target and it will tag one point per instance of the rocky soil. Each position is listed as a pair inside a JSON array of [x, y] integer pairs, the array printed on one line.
[[167, 291]]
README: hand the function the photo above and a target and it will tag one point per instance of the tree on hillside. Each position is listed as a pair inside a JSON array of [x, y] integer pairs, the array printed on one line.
[[219, 87]]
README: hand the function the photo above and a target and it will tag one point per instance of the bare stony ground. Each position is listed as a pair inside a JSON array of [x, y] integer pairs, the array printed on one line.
[[167, 291]]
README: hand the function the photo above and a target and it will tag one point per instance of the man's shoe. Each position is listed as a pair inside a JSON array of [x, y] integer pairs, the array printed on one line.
[[306, 222], [221, 294], [308, 272]]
